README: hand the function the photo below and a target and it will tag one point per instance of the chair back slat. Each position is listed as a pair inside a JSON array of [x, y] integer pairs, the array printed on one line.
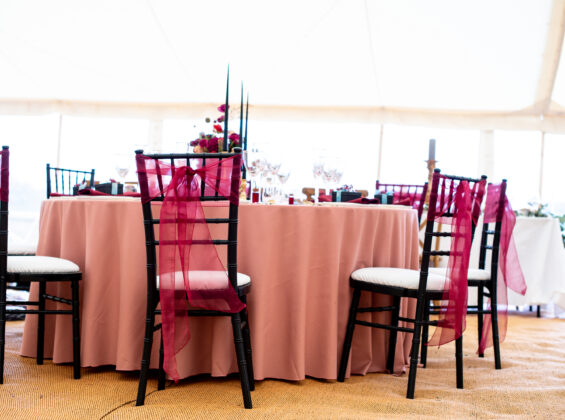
[[442, 198], [4, 193], [227, 238], [495, 234], [63, 179], [415, 193]]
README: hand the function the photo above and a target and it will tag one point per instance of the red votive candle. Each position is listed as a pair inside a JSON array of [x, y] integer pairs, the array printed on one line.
[[291, 199], [255, 197]]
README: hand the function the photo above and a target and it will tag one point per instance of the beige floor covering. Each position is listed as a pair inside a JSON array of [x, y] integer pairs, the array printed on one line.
[[530, 385]]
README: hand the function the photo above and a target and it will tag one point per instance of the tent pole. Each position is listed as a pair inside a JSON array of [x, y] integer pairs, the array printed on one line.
[[379, 161], [542, 158], [58, 161]]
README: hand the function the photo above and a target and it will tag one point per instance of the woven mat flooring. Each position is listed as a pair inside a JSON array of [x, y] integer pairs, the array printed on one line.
[[531, 384]]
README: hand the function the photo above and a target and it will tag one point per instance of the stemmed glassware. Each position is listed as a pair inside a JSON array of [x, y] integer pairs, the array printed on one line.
[[317, 171], [283, 174], [122, 166]]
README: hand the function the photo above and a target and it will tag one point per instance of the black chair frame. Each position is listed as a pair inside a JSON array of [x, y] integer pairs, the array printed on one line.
[[41, 311], [66, 179], [240, 320], [422, 296]]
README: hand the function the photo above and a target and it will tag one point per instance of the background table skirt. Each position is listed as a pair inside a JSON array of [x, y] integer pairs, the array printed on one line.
[[299, 259]]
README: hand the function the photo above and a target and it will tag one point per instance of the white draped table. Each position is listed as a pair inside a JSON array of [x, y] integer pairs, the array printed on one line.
[[542, 258]]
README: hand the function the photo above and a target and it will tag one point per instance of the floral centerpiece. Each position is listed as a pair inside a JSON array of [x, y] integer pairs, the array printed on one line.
[[212, 143]]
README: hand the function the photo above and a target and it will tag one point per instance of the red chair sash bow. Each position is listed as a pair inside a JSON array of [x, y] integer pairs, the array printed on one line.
[[509, 270], [190, 269], [455, 198]]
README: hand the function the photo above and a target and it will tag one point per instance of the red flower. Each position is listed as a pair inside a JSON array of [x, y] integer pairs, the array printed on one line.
[[221, 118], [222, 108], [213, 145], [234, 138], [218, 128]]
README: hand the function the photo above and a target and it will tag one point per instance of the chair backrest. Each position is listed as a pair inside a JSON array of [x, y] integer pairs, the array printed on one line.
[[62, 181], [4, 193], [152, 220], [496, 233], [414, 194], [442, 198]]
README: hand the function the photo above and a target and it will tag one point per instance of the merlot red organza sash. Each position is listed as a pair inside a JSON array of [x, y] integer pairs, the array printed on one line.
[[4, 175], [190, 269], [456, 198], [405, 194], [477, 193], [509, 270]]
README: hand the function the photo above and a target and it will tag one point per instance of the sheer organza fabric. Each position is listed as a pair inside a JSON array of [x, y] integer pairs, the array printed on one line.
[[509, 274], [404, 194], [454, 208], [185, 243]]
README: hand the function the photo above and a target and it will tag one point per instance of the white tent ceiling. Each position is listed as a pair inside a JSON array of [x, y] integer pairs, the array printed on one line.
[[482, 64]]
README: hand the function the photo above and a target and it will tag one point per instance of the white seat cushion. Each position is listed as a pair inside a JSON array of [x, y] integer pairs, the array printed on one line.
[[397, 277], [21, 249], [208, 280], [472, 273], [41, 265]]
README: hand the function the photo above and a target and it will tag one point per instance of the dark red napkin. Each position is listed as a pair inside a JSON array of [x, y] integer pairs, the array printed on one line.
[[365, 200], [89, 191], [404, 202], [59, 195]]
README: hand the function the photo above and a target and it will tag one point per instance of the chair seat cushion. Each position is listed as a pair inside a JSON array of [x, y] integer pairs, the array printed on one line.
[[21, 249], [397, 277], [207, 280], [41, 265], [472, 274]]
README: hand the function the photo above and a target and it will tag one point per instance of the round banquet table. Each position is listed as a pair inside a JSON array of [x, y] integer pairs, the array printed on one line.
[[299, 259]]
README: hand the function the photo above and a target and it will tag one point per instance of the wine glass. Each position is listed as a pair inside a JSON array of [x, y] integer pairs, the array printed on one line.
[[282, 175], [122, 166], [317, 171]]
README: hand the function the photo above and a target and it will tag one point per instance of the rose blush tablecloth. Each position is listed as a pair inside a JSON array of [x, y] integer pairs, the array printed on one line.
[[299, 259]]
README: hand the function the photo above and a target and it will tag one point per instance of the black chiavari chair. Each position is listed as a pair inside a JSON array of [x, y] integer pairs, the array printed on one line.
[[240, 282], [42, 270], [404, 283]]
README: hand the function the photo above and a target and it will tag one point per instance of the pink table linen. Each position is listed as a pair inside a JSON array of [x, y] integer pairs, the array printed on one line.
[[299, 259]]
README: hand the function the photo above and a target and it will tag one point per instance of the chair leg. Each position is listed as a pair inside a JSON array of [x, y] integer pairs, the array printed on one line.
[[393, 335], [161, 378], [459, 361], [76, 329], [241, 362], [538, 311], [248, 353], [414, 352], [348, 334], [480, 307], [41, 322], [147, 344], [2, 326], [425, 331], [495, 337]]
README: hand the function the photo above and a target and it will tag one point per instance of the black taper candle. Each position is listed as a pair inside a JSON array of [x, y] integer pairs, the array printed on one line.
[[226, 105], [246, 117]]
